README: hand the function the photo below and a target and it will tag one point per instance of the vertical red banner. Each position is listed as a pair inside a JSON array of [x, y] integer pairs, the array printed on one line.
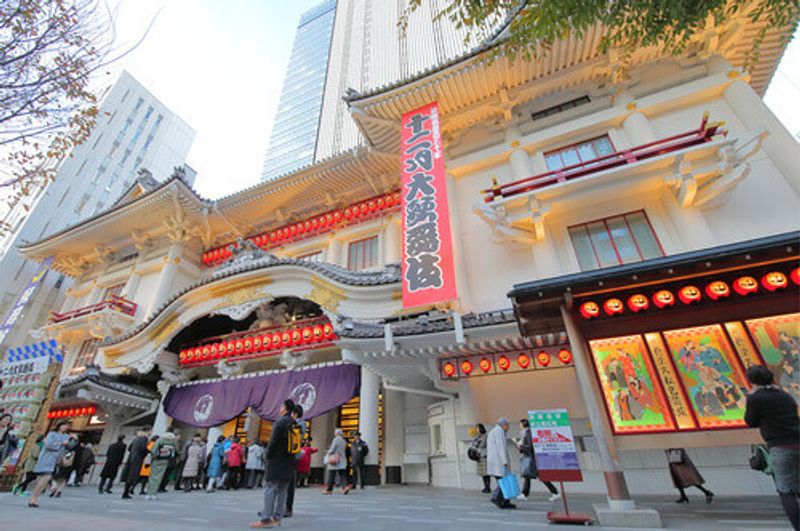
[[428, 274]]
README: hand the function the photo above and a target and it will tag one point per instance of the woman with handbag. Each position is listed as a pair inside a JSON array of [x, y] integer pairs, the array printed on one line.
[[336, 459], [527, 467], [477, 453], [685, 474], [53, 447], [67, 464]]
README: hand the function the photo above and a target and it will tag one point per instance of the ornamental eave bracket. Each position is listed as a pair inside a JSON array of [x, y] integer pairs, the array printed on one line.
[[519, 221]]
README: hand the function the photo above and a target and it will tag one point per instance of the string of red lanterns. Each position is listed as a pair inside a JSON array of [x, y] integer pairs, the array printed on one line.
[[501, 363], [309, 334], [314, 226], [691, 294], [86, 411]]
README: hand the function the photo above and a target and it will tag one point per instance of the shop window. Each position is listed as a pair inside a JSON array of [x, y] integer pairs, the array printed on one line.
[[616, 240], [312, 257], [437, 440], [577, 153], [85, 355], [362, 254], [555, 109]]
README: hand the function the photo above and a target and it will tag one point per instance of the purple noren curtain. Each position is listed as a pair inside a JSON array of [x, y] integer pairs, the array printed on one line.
[[318, 390]]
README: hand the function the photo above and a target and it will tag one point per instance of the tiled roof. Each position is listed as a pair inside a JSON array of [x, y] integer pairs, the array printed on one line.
[[390, 274], [94, 375], [424, 325]]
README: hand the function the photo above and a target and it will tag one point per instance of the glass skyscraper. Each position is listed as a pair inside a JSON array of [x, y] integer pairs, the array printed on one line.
[[294, 133]]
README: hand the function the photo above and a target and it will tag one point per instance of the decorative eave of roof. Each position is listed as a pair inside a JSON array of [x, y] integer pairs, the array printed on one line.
[[424, 325], [94, 375]]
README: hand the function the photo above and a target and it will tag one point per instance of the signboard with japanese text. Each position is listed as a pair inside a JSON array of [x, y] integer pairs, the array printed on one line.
[[19, 307], [428, 272], [554, 445]]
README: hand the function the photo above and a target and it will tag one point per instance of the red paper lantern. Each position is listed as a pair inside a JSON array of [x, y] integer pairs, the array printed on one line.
[[485, 364], [230, 347], [257, 344], [286, 339], [248, 344], [364, 208], [663, 298], [504, 363], [466, 367], [613, 306], [381, 203], [564, 356], [745, 285], [318, 333], [449, 369], [389, 201], [590, 310], [337, 216], [308, 335], [327, 328], [266, 342], [717, 290], [372, 206], [795, 275], [213, 350], [524, 361], [690, 294], [348, 213], [638, 303], [774, 281], [297, 337], [239, 346], [276, 340], [198, 353], [543, 357]]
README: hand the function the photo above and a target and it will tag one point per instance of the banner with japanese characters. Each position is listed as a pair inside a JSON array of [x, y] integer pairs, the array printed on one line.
[[428, 273], [19, 306], [554, 445]]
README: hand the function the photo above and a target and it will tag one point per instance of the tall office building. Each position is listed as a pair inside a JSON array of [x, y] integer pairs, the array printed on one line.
[[134, 130], [293, 139]]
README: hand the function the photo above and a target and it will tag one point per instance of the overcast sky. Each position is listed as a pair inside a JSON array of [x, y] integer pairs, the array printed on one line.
[[220, 66]]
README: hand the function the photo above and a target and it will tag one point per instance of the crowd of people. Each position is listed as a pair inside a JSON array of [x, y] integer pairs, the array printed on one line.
[[284, 463]]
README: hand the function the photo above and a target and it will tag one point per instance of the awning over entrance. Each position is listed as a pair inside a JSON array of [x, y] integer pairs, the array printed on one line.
[[318, 389]]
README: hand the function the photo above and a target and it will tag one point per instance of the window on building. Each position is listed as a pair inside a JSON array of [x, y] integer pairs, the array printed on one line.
[[81, 206], [362, 254], [63, 197], [577, 153], [85, 355], [616, 240], [312, 257], [561, 107], [437, 440]]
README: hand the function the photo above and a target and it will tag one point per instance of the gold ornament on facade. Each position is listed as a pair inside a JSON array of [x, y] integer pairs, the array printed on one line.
[[326, 295], [241, 296]]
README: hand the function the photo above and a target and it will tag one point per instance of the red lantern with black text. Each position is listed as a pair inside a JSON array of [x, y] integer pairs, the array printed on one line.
[[466, 367], [774, 281], [717, 290], [485, 364], [524, 361], [690, 294], [286, 339], [543, 357], [590, 310], [308, 335], [449, 369], [276, 341], [266, 342], [206, 352], [638, 303], [327, 328], [613, 306], [297, 337], [663, 298], [795, 275], [318, 333], [745, 285], [564, 356], [248, 345], [230, 347], [504, 363], [239, 346], [257, 344]]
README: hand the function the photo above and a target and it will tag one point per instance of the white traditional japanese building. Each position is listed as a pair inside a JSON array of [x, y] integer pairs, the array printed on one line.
[[568, 182]]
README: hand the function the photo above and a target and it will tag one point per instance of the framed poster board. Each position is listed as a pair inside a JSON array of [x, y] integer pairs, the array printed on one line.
[[778, 341], [554, 445]]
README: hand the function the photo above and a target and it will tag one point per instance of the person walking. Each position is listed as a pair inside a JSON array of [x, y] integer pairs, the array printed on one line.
[[163, 450], [235, 457], [200, 480], [67, 464], [136, 456], [87, 460], [172, 465], [336, 459], [280, 466], [144, 471], [497, 461], [52, 450], [528, 469], [358, 454], [114, 456], [304, 463], [30, 463], [478, 446], [8, 439], [191, 465], [684, 475], [216, 460], [774, 412], [255, 465], [294, 429]]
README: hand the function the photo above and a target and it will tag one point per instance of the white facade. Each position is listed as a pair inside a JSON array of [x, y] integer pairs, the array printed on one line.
[[134, 130]]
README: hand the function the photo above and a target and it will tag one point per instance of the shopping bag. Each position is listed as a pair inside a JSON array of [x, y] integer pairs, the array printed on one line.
[[509, 486]]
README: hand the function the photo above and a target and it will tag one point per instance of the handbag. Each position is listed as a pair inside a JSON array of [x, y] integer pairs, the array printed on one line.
[[527, 468], [509, 486], [333, 459], [473, 454], [674, 456], [758, 461]]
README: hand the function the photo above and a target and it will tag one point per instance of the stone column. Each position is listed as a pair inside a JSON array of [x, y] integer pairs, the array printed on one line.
[[394, 438], [519, 159], [333, 254], [638, 129], [252, 425], [163, 421], [129, 291], [368, 422], [621, 510], [392, 242], [165, 280]]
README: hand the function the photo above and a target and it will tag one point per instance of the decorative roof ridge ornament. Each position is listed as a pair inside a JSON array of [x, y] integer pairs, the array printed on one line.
[[243, 252]]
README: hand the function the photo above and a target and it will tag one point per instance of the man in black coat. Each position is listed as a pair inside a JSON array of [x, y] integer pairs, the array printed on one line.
[[280, 469], [136, 455], [114, 457]]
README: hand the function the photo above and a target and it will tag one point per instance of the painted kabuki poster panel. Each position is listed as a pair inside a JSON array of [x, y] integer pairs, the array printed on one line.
[[778, 340], [676, 395], [633, 394], [711, 375]]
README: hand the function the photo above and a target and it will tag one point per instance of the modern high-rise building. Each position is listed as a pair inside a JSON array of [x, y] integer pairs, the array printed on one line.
[[134, 130], [294, 133]]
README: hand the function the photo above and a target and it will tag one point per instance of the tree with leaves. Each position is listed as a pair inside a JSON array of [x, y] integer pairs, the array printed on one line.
[[529, 28], [49, 51]]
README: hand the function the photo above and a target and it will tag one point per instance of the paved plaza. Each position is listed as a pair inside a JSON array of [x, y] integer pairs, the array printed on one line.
[[379, 509]]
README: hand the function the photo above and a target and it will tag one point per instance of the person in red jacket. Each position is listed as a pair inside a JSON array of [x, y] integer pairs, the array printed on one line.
[[304, 463], [235, 464]]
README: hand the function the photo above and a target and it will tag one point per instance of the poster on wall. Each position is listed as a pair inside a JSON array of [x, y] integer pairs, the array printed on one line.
[[778, 341], [554, 445], [711, 375], [633, 394], [427, 265], [22, 301], [676, 395]]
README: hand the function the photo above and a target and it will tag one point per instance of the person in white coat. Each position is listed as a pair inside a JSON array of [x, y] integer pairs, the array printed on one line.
[[254, 466], [498, 463]]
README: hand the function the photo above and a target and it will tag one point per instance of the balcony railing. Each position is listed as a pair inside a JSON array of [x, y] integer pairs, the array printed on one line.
[[705, 133], [113, 303]]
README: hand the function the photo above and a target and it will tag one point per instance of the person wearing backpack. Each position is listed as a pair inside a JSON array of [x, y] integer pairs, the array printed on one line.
[[162, 452], [54, 445], [358, 452]]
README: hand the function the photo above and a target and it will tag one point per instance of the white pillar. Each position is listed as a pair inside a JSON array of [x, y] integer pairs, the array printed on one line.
[[368, 413], [165, 280], [321, 433], [468, 409], [638, 129], [520, 160], [394, 438], [333, 254], [392, 242], [129, 291], [780, 146], [163, 421]]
